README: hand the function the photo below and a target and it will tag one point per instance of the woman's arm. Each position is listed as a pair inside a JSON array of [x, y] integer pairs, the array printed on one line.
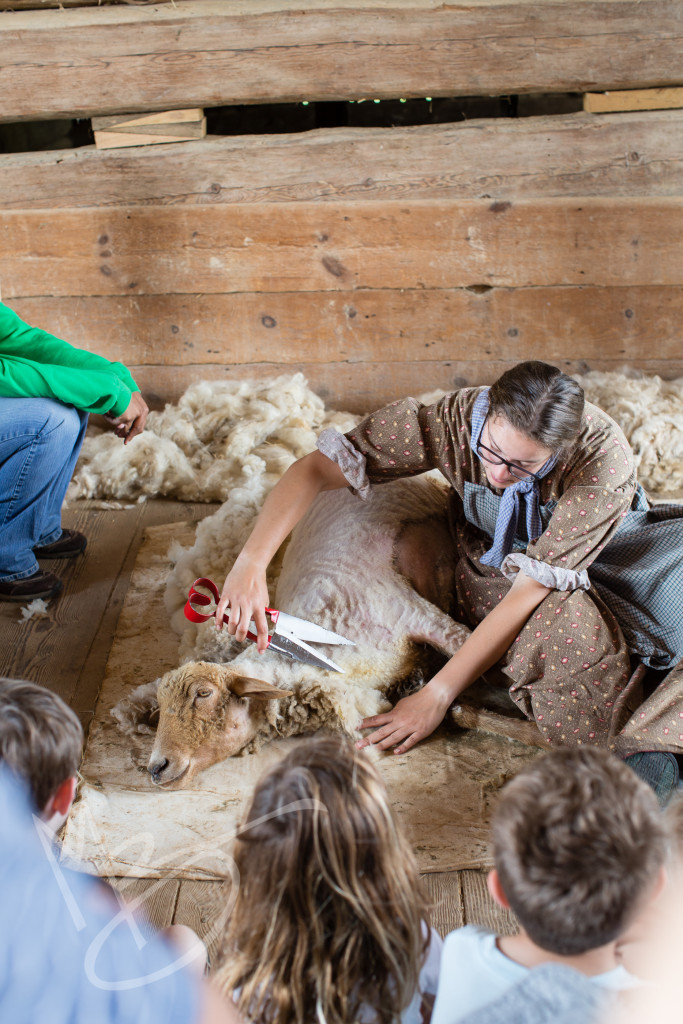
[[245, 592], [417, 716]]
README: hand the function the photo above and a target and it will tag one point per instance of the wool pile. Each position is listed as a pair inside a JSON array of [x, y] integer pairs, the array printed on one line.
[[650, 412], [220, 435]]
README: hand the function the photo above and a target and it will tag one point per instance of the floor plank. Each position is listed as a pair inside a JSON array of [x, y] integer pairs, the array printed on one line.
[[51, 650], [157, 899], [205, 907], [445, 892], [480, 909]]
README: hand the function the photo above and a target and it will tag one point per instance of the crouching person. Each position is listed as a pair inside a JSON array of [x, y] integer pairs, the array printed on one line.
[[69, 949], [47, 389], [579, 851]]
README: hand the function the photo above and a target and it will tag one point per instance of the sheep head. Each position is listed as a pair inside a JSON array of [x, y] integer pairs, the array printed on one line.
[[207, 712]]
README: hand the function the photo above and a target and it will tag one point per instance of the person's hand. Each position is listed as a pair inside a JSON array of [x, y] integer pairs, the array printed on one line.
[[410, 721], [132, 421], [244, 598]]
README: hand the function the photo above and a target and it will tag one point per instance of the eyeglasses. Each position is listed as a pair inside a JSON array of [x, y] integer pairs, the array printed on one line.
[[488, 455]]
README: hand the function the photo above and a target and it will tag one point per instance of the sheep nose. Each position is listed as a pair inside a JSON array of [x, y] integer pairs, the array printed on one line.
[[157, 768]]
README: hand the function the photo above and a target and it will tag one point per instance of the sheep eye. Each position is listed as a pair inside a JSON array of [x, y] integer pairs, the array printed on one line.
[[204, 693]]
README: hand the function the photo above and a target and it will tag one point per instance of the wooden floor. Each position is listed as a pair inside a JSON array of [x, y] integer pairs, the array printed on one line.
[[68, 653]]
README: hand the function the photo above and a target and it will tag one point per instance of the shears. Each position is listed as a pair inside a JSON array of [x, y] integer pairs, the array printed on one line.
[[288, 637]]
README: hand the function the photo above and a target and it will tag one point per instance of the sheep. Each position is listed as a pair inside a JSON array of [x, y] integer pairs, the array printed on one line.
[[351, 566]]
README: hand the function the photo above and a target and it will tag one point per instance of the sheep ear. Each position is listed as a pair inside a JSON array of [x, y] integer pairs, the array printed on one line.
[[139, 711], [243, 686]]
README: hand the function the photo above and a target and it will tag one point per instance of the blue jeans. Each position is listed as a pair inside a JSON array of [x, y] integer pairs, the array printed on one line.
[[40, 439]]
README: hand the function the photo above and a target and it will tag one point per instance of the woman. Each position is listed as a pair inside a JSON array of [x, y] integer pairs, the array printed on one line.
[[543, 488]]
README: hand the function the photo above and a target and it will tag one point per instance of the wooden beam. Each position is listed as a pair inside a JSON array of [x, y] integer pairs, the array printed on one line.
[[100, 60], [504, 159], [341, 246], [42, 5], [616, 325], [633, 99], [362, 387]]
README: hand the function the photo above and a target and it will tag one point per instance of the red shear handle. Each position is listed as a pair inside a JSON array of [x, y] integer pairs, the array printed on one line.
[[196, 597]]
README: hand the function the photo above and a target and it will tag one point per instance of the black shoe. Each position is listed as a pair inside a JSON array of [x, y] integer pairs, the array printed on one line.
[[659, 769], [40, 584], [70, 544]]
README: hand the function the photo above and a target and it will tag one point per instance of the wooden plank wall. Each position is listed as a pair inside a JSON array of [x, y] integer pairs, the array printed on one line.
[[209, 52], [379, 261]]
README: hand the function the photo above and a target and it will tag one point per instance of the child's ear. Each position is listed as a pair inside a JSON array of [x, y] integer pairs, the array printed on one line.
[[661, 883], [61, 800], [496, 891]]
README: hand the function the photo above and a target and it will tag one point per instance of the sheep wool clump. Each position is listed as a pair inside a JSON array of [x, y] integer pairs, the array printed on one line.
[[221, 435], [650, 412]]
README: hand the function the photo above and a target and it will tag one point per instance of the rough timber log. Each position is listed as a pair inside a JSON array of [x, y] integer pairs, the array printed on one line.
[[107, 59]]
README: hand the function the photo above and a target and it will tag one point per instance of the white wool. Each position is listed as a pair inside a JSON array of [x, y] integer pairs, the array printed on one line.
[[37, 609], [650, 412], [137, 713], [220, 435]]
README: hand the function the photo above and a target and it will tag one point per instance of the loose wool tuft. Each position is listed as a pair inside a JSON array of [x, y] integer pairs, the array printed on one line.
[[650, 412]]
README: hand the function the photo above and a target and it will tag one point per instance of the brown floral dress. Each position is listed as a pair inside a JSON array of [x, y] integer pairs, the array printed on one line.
[[570, 666]]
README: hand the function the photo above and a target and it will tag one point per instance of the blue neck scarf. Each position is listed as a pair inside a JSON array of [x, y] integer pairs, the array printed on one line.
[[525, 492]]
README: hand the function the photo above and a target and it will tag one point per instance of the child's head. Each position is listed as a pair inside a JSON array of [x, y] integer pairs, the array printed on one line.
[[41, 740], [579, 844], [329, 912]]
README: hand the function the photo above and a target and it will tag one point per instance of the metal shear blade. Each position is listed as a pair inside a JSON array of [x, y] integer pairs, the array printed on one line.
[[301, 629], [300, 651], [288, 637]]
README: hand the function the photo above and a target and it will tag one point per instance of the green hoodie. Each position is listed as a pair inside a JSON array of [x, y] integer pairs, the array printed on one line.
[[35, 364]]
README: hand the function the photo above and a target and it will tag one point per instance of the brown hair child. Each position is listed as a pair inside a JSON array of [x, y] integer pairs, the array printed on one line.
[[579, 847]]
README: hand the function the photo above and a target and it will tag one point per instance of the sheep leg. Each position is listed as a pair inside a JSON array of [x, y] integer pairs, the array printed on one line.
[[424, 556], [472, 716], [446, 635]]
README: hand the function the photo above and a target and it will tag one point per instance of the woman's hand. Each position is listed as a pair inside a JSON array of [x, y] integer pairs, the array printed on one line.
[[412, 719], [244, 598], [245, 592], [417, 716]]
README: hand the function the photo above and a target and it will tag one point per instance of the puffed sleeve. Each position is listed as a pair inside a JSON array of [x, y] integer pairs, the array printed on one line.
[[402, 439], [596, 494]]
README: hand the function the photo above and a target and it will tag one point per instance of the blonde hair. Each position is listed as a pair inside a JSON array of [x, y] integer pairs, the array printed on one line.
[[329, 916]]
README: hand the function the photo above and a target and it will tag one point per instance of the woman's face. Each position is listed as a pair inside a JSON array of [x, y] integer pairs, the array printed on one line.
[[512, 445]]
